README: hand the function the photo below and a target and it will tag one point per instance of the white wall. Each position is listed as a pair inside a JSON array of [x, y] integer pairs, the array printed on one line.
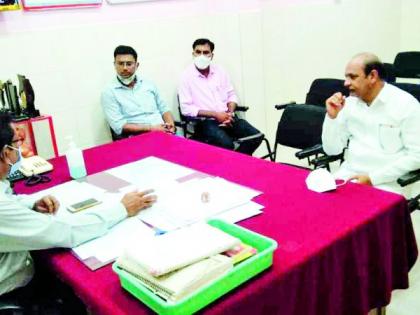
[[272, 49]]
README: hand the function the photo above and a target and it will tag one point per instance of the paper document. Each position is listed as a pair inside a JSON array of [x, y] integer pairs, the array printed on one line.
[[179, 248], [182, 282], [240, 213], [150, 172], [103, 250], [184, 204], [184, 197]]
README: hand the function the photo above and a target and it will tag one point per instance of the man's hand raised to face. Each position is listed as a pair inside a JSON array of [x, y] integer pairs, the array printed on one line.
[[335, 104]]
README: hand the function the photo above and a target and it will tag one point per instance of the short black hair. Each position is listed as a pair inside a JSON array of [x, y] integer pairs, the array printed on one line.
[[6, 130], [125, 50], [203, 41], [375, 65]]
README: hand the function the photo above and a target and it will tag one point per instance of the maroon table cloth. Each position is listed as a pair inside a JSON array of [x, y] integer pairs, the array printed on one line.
[[341, 252]]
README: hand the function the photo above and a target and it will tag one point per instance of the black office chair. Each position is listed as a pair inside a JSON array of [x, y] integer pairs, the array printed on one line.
[[190, 130], [390, 75], [11, 307], [407, 64], [321, 89], [414, 176], [300, 126]]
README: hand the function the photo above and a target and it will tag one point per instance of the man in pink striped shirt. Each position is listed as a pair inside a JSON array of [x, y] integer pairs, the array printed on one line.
[[205, 90]]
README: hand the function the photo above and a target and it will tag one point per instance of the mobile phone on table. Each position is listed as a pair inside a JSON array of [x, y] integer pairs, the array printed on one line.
[[82, 205]]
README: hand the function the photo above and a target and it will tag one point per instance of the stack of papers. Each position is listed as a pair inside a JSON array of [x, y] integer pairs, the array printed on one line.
[[179, 262], [185, 196], [179, 248], [180, 283]]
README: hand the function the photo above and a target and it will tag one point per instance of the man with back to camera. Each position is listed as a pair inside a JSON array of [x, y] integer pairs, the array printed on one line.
[[132, 104], [205, 90], [27, 224], [380, 123]]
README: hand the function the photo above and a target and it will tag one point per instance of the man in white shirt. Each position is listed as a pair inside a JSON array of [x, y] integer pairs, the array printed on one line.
[[28, 224], [379, 123]]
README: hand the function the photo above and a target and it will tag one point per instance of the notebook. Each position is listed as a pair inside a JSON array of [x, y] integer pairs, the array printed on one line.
[[179, 248], [178, 284], [240, 253]]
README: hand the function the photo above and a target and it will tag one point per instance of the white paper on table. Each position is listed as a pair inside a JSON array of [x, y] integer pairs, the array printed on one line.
[[150, 172], [240, 213], [182, 204], [71, 193], [108, 247]]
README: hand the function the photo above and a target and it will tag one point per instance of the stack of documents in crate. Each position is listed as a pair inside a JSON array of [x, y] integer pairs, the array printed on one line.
[[177, 263]]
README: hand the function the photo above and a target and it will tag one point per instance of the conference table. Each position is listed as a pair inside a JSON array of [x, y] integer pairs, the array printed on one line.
[[340, 252]]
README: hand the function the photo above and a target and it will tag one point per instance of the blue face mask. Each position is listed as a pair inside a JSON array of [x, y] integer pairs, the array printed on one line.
[[16, 166]]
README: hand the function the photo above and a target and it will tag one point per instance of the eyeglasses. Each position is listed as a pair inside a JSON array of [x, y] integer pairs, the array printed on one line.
[[202, 52], [18, 142], [125, 63], [16, 148]]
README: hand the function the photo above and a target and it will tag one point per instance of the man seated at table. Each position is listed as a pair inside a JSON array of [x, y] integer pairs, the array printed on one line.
[[132, 104], [28, 224], [205, 90], [379, 123]]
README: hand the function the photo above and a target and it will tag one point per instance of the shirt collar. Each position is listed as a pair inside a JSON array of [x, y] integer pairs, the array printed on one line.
[[382, 96], [199, 74]]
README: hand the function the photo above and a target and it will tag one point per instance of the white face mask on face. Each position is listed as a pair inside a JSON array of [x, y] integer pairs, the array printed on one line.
[[202, 62], [16, 166], [126, 81]]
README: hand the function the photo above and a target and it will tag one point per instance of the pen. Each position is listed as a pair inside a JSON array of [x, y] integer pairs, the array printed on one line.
[[154, 228]]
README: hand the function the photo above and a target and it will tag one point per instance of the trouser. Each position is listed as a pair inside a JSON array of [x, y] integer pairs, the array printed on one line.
[[45, 294], [224, 137]]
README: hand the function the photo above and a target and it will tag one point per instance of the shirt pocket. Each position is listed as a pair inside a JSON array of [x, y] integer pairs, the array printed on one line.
[[390, 138], [219, 93], [141, 103]]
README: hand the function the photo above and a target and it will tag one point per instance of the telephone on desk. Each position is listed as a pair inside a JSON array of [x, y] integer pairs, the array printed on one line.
[[31, 166]]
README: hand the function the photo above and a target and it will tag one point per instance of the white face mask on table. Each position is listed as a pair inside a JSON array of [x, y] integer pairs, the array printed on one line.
[[320, 180]]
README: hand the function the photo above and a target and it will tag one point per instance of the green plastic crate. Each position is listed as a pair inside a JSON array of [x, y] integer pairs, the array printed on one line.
[[240, 273]]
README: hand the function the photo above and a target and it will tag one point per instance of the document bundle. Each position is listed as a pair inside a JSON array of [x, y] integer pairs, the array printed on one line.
[[177, 284], [178, 263], [179, 248]]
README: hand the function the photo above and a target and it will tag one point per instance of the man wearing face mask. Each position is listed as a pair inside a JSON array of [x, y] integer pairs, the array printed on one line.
[[28, 224], [205, 90], [380, 124], [132, 104]]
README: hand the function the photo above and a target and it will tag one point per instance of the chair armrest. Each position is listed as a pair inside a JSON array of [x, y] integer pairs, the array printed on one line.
[[10, 305], [195, 119], [283, 106], [245, 139], [180, 124], [325, 160], [241, 108], [316, 149], [409, 178]]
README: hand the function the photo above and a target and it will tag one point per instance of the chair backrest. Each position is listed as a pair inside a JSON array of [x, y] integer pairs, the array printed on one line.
[[300, 126], [413, 89], [321, 89], [407, 64], [389, 72]]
